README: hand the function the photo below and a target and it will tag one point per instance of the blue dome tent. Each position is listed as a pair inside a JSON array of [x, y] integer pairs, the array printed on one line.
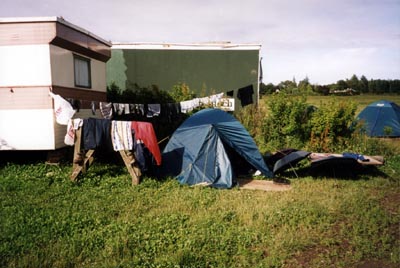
[[381, 119], [203, 148]]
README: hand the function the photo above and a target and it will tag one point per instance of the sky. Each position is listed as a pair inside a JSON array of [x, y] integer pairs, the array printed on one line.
[[323, 40]]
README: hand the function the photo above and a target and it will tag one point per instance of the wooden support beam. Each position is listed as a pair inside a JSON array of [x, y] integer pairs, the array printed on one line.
[[87, 162], [77, 149], [82, 161], [130, 164]]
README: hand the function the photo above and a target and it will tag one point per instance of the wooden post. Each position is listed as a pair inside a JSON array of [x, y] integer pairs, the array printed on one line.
[[130, 164], [87, 158]]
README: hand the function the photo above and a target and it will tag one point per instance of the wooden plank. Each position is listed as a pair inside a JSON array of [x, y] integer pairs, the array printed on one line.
[[80, 166], [77, 148], [250, 184], [88, 161], [132, 169]]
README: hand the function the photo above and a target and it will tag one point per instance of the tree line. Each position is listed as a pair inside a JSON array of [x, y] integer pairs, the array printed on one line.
[[354, 85]]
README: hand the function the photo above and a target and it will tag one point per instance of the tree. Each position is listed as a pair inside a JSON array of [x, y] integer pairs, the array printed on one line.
[[363, 84], [266, 89], [395, 86], [341, 85], [323, 90], [305, 86], [379, 86], [354, 83], [287, 86]]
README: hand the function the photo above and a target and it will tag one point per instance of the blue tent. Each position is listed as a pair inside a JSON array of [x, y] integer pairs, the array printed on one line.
[[381, 119], [202, 149]]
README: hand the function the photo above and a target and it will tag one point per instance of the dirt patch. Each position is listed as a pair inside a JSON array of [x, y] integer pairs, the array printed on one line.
[[250, 184], [376, 264], [306, 258], [391, 202]]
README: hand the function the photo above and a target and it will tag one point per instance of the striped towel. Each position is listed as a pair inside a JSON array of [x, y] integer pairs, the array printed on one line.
[[121, 135]]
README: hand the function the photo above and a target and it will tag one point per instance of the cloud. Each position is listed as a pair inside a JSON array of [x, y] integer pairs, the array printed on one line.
[[308, 37]]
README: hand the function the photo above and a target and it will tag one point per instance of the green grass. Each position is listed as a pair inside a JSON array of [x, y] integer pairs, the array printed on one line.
[[361, 100], [102, 221]]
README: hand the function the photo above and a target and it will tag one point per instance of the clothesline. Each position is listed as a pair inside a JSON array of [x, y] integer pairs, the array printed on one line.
[[109, 109], [65, 109], [71, 105], [119, 135]]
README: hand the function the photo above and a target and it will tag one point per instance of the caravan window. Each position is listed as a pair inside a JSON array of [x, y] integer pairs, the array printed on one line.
[[82, 72]]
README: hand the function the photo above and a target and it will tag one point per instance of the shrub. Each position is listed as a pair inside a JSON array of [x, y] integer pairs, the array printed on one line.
[[182, 92], [330, 125], [288, 121], [287, 124], [251, 117]]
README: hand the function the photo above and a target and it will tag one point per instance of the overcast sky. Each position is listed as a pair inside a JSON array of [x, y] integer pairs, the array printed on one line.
[[325, 40]]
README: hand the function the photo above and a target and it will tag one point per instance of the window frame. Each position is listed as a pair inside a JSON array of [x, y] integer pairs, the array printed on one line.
[[88, 62]]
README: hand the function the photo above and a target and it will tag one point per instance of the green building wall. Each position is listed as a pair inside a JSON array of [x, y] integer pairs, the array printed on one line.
[[206, 72]]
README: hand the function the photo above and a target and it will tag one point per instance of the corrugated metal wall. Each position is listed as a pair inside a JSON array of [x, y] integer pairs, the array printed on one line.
[[204, 71]]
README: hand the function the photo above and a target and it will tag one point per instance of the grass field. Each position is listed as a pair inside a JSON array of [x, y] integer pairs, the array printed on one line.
[[102, 221], [361, 100], [48, 221]]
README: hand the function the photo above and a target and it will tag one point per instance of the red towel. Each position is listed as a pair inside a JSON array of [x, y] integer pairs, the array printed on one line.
[[144, 131]]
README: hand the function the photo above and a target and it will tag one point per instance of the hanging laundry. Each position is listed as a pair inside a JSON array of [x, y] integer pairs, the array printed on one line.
[[119, 108], [186, 106], [217, 96], [73, 125], [96, 133], [142, 155], [121, 135], [144, 131], [175, 108], [153, 110], [189, 105], [230, 93], [132, 109], [76, 104], [142, 109], [170, 111], [126, 108], [106, 110], [93, 107], [62, 109], [137, 109], [205, 101], [245, 95]]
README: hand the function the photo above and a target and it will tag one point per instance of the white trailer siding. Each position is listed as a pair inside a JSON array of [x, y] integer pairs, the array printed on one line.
[[25, 65], [37, 56], [26, 118], [28, 129]]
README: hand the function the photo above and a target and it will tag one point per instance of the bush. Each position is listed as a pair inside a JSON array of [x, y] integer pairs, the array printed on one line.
[[330, 125], [251, 117], [182, 92], [288, 121], [287, 124]]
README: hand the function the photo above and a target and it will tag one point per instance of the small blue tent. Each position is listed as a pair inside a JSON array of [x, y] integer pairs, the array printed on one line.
[[381, 119], [201, 150]]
